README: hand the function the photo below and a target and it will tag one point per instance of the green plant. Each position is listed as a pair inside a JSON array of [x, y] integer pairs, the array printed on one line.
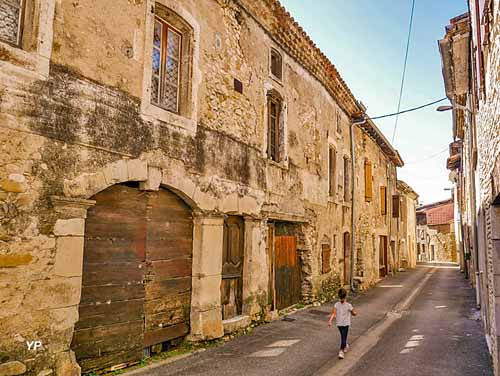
[[329, 288]]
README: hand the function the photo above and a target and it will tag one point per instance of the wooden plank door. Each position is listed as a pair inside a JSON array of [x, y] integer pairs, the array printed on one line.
[[383, 267], [136, 288], [271, 294], [347, 257], [232, 267], [287, 269], [111, 310], [169, 245]]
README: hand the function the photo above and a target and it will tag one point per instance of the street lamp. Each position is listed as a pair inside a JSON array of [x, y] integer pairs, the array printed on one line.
[[454, 106]]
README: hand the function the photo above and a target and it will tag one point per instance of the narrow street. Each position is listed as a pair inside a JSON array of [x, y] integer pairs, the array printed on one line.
[[439, 322]]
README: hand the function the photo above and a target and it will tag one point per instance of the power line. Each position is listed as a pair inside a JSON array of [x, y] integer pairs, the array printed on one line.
[[427, 158], [404, 70], [408, 110]]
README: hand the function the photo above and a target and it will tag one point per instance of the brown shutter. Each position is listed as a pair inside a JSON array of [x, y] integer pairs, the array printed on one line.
[[395, 206], [332, 161], [368, 181], [383, 200], [325, 258]]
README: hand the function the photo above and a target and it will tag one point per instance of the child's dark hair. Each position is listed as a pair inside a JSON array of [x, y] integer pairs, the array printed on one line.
[[342, 294]]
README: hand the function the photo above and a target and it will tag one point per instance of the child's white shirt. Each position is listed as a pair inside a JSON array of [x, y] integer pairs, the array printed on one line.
[[343, 313]]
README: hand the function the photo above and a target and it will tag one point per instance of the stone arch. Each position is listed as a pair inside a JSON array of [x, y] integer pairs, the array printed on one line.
[[150, 178]]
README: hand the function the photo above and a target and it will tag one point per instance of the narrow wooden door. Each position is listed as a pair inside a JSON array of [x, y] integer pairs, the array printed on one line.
[[383, 270], [347, 257], [287, 269], [232, 267]]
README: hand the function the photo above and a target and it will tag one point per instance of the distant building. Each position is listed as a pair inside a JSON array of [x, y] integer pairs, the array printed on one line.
[[436, 233]]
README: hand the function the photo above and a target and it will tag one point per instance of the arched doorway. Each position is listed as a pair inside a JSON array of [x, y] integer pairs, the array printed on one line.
[[136, 284]]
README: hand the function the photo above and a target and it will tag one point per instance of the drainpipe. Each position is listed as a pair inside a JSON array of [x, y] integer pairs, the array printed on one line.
[[353, 197]]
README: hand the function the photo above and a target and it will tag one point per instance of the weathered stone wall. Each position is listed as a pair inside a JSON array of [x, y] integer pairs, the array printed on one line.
[[488, 146], [70, 132], [370, 224]]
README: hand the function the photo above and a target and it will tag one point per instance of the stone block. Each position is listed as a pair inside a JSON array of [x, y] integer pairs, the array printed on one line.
[[66, 364], [206, 325], [235, 324], [13, 260], [54, 293], [249, 205], [154, 179], [230, 203], [15, 183], [45, 372], [95, 184], [137, 170], [64, 318], [116, 172], [69, 227], [12, 368], [69, 256], [206, 292], [208, 246], [205, 201]]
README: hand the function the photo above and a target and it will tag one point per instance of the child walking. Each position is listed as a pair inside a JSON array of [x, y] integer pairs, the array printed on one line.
[[342, 312]]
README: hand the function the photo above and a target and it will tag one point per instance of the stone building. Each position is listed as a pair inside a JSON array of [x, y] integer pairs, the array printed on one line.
[[436, 232], [471, 62], [170, 169], [407, 224]]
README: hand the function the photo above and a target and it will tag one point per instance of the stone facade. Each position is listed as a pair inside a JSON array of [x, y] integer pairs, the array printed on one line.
[[475, 152], [407, 235], [436, 232], [76, 118]]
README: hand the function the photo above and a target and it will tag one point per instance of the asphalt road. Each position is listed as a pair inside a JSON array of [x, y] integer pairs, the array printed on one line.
[[439, 334], [295, 348]]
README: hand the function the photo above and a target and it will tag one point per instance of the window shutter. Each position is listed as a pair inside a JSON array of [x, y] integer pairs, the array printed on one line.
[[325, 258], [347, 193], [332, 161], [395, 206], [368, 181], [383, 200]]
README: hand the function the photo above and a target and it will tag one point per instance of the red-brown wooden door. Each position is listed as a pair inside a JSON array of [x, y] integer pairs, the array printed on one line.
[[383, 260], [287, 271], [232, 267], [136, 276], [347, 257]]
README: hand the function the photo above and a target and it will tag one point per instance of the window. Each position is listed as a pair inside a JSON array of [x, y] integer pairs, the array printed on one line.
[[276, 64], [274, 136], [383, 200], [326, 252], [339, 122], [332, 166], [11, 17], [395, 206], [347, 193], [166, 72], [368, 181]]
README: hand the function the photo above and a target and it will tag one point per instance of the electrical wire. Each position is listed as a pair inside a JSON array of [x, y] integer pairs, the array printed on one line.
[[404, 70], [427, 158], [405, 111]]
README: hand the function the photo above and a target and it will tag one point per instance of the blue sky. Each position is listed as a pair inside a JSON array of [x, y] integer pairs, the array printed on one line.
[[366, 41]]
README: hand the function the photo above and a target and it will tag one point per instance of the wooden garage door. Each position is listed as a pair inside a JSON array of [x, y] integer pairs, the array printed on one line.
[[287, 271], [136, 276]]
